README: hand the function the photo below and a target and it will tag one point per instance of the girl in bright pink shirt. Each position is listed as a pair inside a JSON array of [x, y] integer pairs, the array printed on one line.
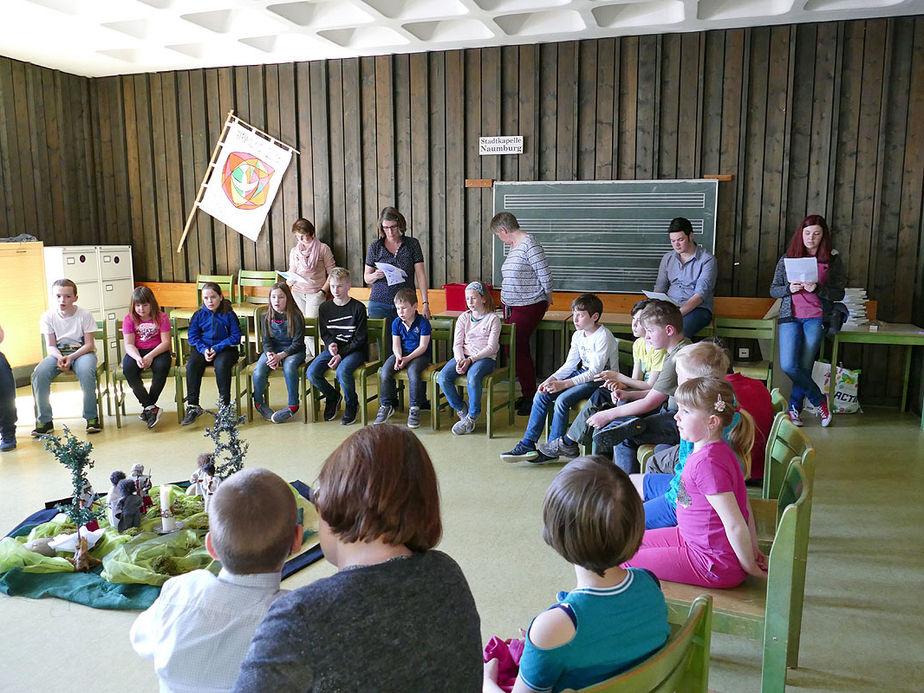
[[714, 543]]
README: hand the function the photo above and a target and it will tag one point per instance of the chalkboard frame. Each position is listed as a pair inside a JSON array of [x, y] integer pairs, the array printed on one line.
[[584, 226]]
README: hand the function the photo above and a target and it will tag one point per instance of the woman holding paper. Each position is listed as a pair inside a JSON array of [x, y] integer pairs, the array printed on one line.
[[394, 262], [310, 261], [808, 292]]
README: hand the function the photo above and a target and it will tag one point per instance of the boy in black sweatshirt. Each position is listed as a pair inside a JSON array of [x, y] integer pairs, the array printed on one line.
[[342, 326]]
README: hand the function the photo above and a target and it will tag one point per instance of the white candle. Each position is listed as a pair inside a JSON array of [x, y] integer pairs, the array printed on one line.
[[168, 522]]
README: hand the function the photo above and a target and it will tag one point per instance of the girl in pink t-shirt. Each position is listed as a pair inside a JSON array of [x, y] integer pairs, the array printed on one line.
[[714, 543], [146, 330]]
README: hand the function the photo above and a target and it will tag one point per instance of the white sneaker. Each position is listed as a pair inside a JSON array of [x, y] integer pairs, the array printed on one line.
[[465, 426], [385, 413]]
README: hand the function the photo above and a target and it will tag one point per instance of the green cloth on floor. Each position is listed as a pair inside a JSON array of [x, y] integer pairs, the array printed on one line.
[[84, 588]]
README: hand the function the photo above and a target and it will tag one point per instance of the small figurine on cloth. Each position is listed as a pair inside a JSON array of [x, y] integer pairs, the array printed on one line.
[[142, 483], [82, 560], [128, 508], [209, 484], [195, 481], [113, 496]]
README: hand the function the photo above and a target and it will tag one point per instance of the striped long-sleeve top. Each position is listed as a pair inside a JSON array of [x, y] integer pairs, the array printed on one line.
[[527, 279]]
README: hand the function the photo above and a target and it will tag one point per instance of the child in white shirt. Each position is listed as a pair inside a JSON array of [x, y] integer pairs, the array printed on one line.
[[69, 341], [593, 349]]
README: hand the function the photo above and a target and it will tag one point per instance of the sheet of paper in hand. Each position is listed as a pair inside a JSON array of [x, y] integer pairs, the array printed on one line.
[[393, 275], [801, 269]]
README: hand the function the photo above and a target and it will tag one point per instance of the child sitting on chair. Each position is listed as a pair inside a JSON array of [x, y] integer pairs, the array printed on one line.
[[410, 342], [475, 344], [615, 617], [593, 349], [199, 628], [647, 361], [713, 544], [342, 326]]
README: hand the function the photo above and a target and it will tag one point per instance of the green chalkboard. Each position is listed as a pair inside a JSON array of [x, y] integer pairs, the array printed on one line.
[[606, 236]]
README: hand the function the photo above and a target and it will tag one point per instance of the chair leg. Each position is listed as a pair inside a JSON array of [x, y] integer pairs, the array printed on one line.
[[489, 410], [116, 391], [178, 396]]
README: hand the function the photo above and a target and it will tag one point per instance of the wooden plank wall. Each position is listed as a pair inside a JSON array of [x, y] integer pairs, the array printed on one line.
[[812, 118]]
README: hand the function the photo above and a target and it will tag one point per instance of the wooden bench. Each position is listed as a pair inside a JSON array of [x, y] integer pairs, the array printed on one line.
[[768, 611]]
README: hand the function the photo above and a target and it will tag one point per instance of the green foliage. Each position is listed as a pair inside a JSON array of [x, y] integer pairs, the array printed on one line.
[[229, 448], [74, 454]]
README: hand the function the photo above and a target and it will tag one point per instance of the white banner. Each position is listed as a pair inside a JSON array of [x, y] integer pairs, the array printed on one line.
[[245, 179]]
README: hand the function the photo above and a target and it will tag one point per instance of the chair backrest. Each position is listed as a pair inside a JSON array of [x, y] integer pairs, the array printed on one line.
[[181, 337], [789, 551], [508, 338], [441, 332], [313, 333], [681, 665], [779, 402], [100, 335], [225, 281], [253, 278], [784, 442], [375, 334], [626, 355]]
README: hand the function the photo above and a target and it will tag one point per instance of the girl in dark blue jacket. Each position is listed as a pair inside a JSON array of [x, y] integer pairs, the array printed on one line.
[[214, 337]]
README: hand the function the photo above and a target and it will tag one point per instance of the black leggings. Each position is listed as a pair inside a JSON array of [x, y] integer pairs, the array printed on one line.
[[224, 361], [160, 369]]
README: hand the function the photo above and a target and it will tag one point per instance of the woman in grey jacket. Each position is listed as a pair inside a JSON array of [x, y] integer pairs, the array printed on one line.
[[805, 310]]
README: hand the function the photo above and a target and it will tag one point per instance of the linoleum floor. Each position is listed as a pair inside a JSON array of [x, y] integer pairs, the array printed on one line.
[[864, 619]]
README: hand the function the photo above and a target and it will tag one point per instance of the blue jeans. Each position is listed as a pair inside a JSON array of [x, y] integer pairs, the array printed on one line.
[[562, 402], [475, 374], [799, 342], [84, 367], [659, 512], [348, 364], [261, 373], [625, 434], [695, 320], [376, 309], [7, 400], [415, 386]]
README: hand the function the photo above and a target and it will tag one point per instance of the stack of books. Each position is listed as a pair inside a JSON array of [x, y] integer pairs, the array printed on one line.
[[855, 300]]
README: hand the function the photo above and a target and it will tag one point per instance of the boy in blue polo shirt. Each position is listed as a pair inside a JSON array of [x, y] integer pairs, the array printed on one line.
[[410, 340]]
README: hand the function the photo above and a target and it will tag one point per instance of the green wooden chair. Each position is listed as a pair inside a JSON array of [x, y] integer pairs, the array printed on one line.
[[766, 511], [504, 376], [278, 373], [225, 281], [101, 335], [682, 665], [768, 611], [118, 380], [743, 328], [246, 305], [786, 440], [375, 329], [181, 352], [780, 404]]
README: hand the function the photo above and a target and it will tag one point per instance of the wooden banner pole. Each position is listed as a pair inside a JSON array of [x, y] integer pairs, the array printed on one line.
[[208, 172]]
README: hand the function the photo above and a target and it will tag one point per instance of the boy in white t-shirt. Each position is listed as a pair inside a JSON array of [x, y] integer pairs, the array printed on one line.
[[593, 349], [68, 331]]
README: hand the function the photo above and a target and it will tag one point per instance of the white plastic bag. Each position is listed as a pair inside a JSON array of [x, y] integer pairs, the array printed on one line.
[[846, 387]]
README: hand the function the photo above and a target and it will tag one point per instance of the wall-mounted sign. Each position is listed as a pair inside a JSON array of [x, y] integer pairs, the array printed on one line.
[[512, 144]]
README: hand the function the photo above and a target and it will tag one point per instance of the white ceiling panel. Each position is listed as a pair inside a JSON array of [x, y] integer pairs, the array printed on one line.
[[107, 37]]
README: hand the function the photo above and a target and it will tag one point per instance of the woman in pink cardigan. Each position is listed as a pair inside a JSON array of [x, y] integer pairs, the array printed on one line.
[[475, 346]]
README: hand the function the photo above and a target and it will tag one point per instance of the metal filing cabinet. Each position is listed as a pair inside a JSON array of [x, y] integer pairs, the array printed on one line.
[[104, 278]]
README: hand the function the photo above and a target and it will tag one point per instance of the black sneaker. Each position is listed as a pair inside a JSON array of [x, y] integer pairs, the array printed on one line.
[[332, 406], [521, 453], [43, 429], [93, 426], [349, 415], [154, 416], [145, 414], [193, 412]]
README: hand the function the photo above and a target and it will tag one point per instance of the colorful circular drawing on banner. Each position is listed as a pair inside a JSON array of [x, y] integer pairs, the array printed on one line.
[[246, 180]]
